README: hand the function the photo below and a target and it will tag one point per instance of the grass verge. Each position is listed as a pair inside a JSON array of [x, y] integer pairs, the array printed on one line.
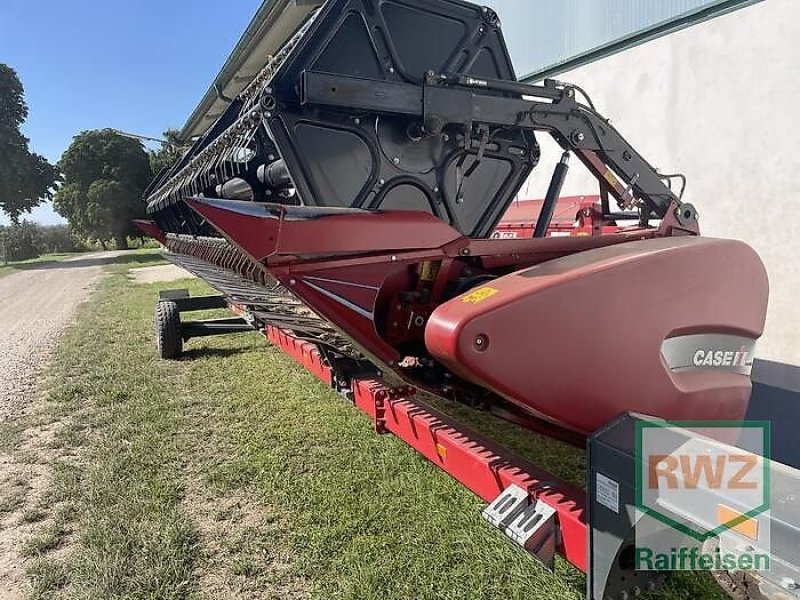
[[233, 473]]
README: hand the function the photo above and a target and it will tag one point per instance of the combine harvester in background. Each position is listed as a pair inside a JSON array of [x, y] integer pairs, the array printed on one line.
[[345, 205], [572, 215]]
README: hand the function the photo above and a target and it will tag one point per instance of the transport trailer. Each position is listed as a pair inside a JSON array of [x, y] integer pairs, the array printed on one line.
[[536, 509]]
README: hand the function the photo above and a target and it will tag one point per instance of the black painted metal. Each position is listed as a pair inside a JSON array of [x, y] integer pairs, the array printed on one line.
[[191, 303], [224, 326], [551, 198], [610, 573], [776, 398], [396, 104], [369, 59]]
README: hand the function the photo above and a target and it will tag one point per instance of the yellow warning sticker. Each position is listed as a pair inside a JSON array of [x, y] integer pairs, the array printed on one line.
[[610, 177], [478, 295]]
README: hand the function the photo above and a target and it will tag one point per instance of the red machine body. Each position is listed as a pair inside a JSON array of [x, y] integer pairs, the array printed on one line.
[[547, 338], [537, 322]]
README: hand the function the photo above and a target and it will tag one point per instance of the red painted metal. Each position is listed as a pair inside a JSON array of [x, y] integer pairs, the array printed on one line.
[[570, 365], [573, 216], [481, 465], [264, 230], [303, 352], [150, 228], [343, 266]]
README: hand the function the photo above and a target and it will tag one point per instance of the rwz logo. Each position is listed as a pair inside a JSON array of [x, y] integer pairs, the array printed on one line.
[[705, 481], [688, 471]]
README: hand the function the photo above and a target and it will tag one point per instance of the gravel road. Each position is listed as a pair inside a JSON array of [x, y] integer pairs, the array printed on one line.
[[35, 305]]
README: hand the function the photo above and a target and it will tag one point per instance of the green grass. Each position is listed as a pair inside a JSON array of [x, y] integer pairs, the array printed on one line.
[[236, 462], [48, 537], [48, 576]]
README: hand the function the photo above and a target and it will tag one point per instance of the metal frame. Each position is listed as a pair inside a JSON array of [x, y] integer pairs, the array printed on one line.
[[206, 327], [447, 99]]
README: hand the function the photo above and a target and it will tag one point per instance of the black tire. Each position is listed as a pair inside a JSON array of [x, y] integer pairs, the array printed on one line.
[[167, 322]]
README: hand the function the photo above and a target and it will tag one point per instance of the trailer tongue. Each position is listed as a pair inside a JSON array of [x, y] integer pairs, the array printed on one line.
[[345, 203]]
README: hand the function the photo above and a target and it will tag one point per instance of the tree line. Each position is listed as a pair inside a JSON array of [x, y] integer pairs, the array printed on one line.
[[25, 240], [97, 184]]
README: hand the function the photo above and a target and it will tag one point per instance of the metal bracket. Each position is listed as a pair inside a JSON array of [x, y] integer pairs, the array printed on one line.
[[528, 523]]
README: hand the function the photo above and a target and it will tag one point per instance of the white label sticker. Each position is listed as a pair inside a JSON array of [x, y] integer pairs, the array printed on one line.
[[608, 492]]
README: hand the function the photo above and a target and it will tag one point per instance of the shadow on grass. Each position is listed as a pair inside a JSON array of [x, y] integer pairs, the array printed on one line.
[[194, 353], [92, 260]]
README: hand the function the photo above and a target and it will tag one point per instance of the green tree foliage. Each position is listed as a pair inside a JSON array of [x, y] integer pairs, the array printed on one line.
[[58, 238], [25, 177], [169, 153], [105, 175], [25, 240], [20, 241]]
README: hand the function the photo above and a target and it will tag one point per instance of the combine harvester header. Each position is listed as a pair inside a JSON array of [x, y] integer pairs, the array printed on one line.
[[348, 204]]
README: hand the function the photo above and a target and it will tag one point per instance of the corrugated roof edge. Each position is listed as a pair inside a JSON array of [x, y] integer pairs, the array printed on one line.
[[266, 15]]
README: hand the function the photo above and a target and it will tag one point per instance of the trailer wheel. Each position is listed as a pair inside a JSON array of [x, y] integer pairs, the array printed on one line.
[[167, 322]]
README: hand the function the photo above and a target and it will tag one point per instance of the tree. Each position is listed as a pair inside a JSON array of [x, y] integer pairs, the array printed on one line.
[[25, 177], [58, 238], [105, 175], [20, 241], [169, 153]]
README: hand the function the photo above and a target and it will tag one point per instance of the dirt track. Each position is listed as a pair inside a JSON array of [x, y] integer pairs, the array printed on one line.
[[35, 306]]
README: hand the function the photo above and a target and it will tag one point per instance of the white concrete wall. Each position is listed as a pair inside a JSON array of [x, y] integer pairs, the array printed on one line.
[[718, 101]]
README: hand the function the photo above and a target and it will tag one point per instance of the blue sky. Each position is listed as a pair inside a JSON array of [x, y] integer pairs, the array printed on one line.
[[140, 66]]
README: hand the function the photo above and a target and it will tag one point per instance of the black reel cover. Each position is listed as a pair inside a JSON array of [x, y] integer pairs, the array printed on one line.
[[347, 158]]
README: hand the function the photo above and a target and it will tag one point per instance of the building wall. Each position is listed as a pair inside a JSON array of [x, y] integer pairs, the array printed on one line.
[[718, 102]]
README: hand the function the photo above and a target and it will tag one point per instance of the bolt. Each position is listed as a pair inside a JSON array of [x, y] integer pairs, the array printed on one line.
[[580, 137], [381, 181], [481, 342], [394, 258], [391, 69], [436, 189], [292, 282], [396, 160], [357, 121], [271, 157]]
